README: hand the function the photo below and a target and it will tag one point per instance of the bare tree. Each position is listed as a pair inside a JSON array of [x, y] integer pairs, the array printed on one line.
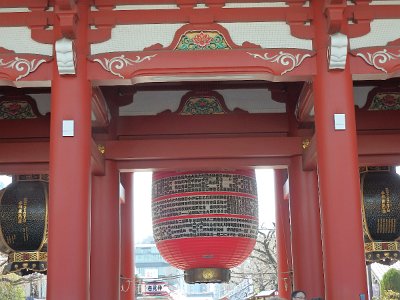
[[261, 265]]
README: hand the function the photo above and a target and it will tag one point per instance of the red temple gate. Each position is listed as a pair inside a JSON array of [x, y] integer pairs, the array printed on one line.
[[90, 92]]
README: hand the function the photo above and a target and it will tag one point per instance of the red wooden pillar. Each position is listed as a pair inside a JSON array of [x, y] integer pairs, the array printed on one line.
[[127, 241], [105, 243], [282, 233], [70, 176], [339, 187], [306, 230]]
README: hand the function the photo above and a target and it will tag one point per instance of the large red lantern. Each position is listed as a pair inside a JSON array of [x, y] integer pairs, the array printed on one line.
[[205, 222]]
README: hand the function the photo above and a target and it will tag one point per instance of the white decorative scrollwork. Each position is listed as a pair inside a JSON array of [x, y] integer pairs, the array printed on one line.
[[120, 62], [22, 65], [379, 57], [285, 59], [337, 51]]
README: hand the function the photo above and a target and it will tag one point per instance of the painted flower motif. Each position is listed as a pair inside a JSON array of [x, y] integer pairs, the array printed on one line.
[[203, 103], [202, 39], [389, 100], [14, 108]]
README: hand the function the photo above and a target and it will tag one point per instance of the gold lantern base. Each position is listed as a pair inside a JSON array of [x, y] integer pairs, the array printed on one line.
[[207, 275]]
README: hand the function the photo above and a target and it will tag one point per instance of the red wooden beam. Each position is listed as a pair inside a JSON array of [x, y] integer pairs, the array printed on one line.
[[171, 124], [203, 65], [200, 164], [310, 154], [160, 16], [377, 121], [25, 129], [198, 152], [373, 149], [209, 2], [24, 152], [33, 18], [20, 157], [97, 160], [203, 148], [65, 4], [24, 168], [373, 11], [382, 144], [23, 3], [44, 3], [305, 103]]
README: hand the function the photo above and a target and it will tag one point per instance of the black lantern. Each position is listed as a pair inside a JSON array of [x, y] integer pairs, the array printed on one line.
[[23, 223], [380, 191]]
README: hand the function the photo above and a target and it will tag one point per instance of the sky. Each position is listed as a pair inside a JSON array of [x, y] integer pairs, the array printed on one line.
[[142, 201], [4, 181]]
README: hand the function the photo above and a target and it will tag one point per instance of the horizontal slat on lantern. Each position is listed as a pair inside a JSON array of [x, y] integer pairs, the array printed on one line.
[[205, 220]]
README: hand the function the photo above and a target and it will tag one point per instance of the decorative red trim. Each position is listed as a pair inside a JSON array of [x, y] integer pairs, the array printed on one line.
[[216, 14]]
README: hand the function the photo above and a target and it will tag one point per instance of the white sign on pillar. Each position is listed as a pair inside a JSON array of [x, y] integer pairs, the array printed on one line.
[[68, 128], [340, 121]]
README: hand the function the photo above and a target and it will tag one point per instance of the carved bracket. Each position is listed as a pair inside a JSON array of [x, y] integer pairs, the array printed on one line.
[[337, 51], [66, 56]]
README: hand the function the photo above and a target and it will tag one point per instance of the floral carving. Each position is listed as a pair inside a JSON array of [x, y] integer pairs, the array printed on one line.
[[16, 110], [283, 58], [385, 101], [120, 62], [22, 66], [202, 106], [203, 40], [378, 59]]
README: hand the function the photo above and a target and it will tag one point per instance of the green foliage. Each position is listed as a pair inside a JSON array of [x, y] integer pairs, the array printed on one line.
[[9, 291], [390, 295], [391, 281]]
